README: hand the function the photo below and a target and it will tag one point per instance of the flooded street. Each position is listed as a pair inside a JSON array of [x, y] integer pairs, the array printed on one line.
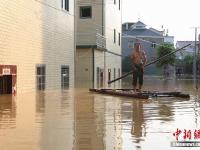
[[80, 120]]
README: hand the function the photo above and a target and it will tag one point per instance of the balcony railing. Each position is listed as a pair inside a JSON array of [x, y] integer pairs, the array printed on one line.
[[100, 41]]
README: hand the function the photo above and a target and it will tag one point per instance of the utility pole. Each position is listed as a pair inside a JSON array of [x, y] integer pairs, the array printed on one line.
[[198, 65], [199, 45], [195, 61]]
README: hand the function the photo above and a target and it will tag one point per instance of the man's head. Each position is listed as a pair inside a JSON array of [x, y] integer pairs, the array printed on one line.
[[137, 47]]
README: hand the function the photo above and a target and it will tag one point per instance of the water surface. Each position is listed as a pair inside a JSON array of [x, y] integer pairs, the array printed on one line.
[[80, 120]]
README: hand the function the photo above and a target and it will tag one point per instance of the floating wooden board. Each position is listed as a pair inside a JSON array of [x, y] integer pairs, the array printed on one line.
[[140, 95]]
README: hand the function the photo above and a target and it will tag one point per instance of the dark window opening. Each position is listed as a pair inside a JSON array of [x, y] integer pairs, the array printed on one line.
[[114, 36], [153, 45], [109, 74], [119, 74], [114, 76], [41, 77], [86, 12], [6, 84], [119, 39], [64, 77], [65, 4]]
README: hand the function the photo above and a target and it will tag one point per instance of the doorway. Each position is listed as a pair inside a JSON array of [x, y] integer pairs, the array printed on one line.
[[6, 84]]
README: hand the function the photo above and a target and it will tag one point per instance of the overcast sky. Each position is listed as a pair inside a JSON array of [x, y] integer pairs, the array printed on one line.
[[178, 16]]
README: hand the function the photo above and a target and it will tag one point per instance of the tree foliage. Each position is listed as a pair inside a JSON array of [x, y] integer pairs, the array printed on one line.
[[163, 49], [187, 64]]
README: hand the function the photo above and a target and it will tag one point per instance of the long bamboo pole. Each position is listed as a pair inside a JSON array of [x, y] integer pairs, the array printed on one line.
[[109, 82]]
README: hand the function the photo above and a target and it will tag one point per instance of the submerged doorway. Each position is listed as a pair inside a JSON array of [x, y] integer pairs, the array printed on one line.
[[6, 84], [8, 79]]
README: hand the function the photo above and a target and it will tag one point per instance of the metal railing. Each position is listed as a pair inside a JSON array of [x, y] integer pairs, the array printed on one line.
[[100, 41]]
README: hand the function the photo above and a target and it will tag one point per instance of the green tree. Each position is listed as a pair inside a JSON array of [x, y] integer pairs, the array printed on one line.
[[163, 49]]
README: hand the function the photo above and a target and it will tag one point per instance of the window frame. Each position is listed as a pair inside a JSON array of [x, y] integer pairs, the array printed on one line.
[[119, 39], [41, 77], [114, 38], [80, 13], [153, 44], [65, 5], [65, 84]]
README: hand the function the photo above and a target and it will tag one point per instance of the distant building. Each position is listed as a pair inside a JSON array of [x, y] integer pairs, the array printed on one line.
[[148, 37], [187, 50], [98, 47], [169, 39]]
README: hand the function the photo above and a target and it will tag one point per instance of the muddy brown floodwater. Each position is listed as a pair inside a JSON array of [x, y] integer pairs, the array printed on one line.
[[79, 120]]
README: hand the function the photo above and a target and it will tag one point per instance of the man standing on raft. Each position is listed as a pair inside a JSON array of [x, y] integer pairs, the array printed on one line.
[[139, 60]]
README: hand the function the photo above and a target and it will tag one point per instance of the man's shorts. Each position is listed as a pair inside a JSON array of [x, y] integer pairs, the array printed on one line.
[[137, 74]]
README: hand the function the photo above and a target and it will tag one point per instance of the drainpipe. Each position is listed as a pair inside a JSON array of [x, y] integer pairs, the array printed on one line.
[[102, 17], [93, 66], [103, 33]]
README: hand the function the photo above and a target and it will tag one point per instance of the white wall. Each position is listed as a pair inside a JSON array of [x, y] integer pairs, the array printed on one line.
[[37, 32]]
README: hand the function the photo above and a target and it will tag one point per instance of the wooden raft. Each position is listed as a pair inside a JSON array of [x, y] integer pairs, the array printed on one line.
[[140, 95]]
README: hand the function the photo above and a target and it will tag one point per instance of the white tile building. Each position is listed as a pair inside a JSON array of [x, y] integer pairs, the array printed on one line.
[[98, 47], [36, 45]]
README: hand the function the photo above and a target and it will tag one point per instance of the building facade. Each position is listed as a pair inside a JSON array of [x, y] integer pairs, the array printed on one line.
[[181, 55], [149, 38], [187, 50], [98, 47], [37, 45]]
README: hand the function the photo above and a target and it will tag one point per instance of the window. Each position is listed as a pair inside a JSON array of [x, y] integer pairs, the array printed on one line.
[[114, 74], [119, 4], [98, 75], [114, 36], [119, 39], [153, 45], [64, 77], [114, 1], [119, 74], [40, 77], [86, 12], [65, 4], [130, 44], [109, 74]]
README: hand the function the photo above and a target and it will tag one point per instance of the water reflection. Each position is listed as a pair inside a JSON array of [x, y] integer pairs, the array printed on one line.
[[7, 112], [97, 122], [86, 133], [56, 119], [139, 127], [40, 102]]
